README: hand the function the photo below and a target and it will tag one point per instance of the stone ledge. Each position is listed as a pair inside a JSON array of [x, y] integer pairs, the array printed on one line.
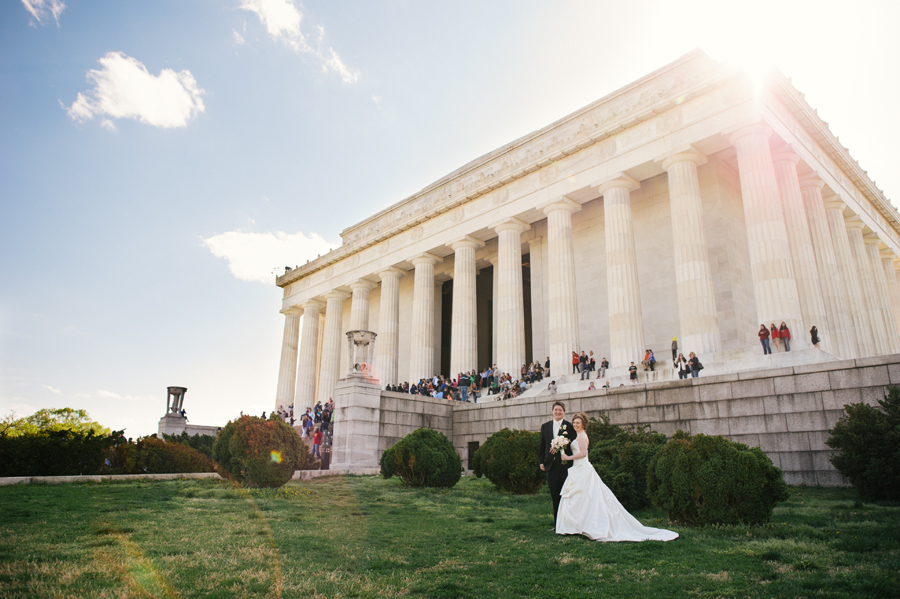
[[311, 474], [824, 367], [765, 374], [877, 360], [717, 378], [99, 478]]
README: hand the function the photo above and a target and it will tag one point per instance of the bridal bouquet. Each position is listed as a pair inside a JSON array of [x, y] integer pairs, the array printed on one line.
[[559, 443]]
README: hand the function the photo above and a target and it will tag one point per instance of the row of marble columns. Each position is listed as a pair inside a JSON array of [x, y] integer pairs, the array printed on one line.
[[810, 266]]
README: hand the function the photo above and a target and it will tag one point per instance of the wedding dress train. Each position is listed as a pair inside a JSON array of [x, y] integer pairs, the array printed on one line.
[[587, 507]]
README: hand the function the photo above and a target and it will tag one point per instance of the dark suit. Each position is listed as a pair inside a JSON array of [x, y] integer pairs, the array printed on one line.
[[554, 467]]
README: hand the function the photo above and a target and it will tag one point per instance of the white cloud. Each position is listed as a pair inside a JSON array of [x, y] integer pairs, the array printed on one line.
[[238, 37], [252, 256], [282, 20], [111, 395], [52, 390], [39, 9], [124, 89]]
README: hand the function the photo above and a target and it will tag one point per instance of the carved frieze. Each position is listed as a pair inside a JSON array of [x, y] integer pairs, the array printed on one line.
[[581, 131]]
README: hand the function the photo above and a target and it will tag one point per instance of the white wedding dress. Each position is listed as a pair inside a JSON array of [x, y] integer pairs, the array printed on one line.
[[587, 507]]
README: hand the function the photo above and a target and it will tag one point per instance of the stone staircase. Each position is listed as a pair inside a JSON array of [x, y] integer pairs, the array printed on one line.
[[723, 362]]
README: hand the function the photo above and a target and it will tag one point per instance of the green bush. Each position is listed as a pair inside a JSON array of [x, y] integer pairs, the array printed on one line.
[[710, 480], [869, 443], [261, 453], [55, 452], [509, 459], [202, 443], [622, 457], [160, 457], [423, 458]]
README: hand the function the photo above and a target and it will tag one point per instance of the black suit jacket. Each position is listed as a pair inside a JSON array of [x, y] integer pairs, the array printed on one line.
[[546, 458]]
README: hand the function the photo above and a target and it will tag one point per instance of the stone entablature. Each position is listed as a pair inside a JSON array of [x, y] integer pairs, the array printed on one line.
[[692, 76]]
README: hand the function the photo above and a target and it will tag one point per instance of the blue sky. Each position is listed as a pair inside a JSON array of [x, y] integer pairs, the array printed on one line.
[[159, 159]]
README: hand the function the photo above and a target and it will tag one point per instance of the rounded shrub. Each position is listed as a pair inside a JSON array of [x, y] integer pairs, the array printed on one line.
[[261, 453], [622, 457], [869, 443], [159, 457], [423, 458], [701, 480], [509, 459]]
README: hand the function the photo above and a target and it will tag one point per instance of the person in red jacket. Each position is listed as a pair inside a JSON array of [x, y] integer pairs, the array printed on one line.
[[764, 339], [776, 337], [317, 440], [785, 333]]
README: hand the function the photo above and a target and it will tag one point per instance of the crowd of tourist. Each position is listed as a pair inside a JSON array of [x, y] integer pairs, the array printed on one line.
[[473, 385]]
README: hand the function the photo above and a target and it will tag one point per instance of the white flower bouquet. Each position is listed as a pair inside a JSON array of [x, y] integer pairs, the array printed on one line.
[[559, 443]]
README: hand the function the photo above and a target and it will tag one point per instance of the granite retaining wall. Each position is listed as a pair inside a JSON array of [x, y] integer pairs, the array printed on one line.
[[787, 411]]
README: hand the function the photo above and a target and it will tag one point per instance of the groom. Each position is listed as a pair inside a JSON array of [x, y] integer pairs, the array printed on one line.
[[557, 470]]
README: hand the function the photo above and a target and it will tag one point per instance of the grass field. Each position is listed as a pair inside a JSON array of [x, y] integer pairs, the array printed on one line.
[[368, 537]]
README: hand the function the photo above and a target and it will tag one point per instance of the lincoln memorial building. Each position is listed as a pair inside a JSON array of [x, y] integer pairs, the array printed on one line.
[[693, 203]]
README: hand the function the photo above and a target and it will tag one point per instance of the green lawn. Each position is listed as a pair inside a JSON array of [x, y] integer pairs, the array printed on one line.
[[368, 537]]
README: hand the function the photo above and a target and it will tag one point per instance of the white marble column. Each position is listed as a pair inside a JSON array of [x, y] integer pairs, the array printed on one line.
[[774, 286], [287, 372], [332, 343], [464, 327], [495, 296], [863, 266], [836, 333], [873, 251], [859, 317], [359, 308], [510, 303], [540, 339], [421, 351], [806, 271], [304, 397], [562, 308], [388, 346], [697, 315], [890, 275], [626, 328]]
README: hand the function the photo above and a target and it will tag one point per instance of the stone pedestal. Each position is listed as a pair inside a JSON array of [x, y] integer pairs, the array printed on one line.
[[170, 424], [357, 426]]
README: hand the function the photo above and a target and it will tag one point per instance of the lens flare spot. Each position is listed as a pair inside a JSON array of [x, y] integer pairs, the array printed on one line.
[[276, 456]]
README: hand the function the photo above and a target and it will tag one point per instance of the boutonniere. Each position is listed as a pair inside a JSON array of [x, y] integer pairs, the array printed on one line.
[[562, 427]]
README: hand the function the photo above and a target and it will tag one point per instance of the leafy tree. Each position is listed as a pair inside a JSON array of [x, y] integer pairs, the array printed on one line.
[[869, 443], [58, 419]]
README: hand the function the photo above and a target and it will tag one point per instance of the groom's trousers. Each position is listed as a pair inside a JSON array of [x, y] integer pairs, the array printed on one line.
[[556, 478]]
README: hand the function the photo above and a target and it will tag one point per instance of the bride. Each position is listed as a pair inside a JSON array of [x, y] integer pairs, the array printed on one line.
[[587, 506]]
